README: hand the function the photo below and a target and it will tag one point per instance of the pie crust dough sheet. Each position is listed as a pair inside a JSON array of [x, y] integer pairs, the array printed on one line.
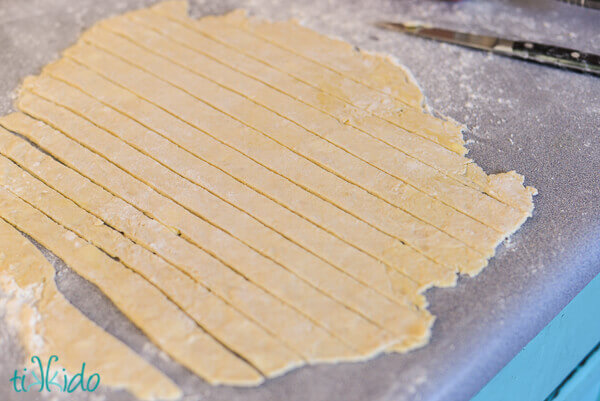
[[271, 196]]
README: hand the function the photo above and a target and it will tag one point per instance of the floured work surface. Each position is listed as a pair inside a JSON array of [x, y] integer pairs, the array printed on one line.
[[279, 197]]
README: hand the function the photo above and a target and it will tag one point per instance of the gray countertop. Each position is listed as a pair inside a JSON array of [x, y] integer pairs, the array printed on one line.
[[540, 121]]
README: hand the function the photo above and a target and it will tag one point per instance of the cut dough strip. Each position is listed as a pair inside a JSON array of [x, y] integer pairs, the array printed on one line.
[[312, 342], [158, 317], [213, 148], [185, 75], [227, 325], [345, 324], [64, 330], [309, 71], [440, 246], [211, 178]]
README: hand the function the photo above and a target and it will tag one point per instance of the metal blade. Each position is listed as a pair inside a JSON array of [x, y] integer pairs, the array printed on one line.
[[481, 42]]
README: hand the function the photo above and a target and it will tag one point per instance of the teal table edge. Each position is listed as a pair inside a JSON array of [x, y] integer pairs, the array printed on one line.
[[562, 363]]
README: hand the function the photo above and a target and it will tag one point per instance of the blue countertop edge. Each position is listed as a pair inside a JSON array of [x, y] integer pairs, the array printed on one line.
[[553, 354]]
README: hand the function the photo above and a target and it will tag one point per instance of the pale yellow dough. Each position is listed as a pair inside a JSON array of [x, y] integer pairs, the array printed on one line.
[[291, 196], [41, 310]]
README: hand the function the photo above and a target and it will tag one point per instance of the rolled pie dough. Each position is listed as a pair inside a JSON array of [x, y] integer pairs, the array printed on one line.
[[274, 197]]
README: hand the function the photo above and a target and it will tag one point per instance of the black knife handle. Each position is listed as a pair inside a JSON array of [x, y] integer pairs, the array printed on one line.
[[559, 56]]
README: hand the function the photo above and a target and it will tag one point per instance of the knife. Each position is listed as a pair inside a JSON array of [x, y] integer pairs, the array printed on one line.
[[585, 3], [531, 51]]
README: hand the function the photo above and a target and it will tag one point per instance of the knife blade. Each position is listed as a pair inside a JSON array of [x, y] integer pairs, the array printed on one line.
[[525, 50]]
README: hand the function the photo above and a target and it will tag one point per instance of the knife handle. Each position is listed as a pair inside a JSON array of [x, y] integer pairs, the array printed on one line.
[[559, 56]]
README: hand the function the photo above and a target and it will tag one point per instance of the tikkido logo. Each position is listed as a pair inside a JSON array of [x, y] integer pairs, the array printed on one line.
[[42, 378]]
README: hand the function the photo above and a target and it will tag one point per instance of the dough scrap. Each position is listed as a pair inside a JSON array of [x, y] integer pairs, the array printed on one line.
[[26, 274], [296, 188]]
